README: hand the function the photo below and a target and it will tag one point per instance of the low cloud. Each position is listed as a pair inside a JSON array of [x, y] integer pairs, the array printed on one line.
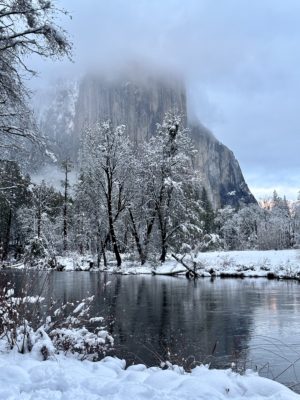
[[239, 59]]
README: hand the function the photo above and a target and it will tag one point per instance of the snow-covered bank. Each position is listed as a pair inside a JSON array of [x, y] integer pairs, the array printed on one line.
[[24, 378], [250, 263], [253, 263]]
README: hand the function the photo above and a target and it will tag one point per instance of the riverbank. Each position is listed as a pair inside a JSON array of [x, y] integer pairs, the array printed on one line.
[[281, 264], [22, 378]]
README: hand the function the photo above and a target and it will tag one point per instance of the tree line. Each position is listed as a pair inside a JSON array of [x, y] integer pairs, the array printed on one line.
[[141, 200], [128, 198]]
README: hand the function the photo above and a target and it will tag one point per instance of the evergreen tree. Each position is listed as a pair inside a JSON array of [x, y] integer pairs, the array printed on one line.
[[14, 194], [67, 167], [207, 215]]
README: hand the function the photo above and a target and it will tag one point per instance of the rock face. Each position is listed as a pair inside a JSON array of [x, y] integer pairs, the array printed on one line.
[[219, 170], [140, 102], [58, 118]]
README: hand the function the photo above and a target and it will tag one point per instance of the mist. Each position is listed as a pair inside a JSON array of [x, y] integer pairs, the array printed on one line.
[[239, 61]]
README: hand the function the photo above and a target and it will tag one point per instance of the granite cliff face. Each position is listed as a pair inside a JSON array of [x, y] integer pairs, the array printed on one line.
[[140, 103], [57, 120], [219, 170]]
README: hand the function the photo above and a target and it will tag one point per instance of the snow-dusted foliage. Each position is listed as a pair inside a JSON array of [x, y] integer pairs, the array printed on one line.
[[41, 223], [133, 202], [14, 193], [270, 226], [170, 184], [26, 27], [144, 198], [69, 328], [295, 212], [104, 185], [73, 331]]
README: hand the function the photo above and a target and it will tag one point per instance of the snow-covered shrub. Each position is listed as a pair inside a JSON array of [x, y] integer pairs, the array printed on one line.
[[74, 261], [81, 342], [68, 329], [36, 252], [210, 242], [35, 341], [14, 327], [73, 331]]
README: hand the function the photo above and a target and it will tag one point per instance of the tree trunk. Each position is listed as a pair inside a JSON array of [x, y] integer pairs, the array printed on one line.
[[137, 239], [163, 236], [104, 254], [67, 168], [101, 249], [114, 244], [112, 230], [163, 252], [65, 228], [39, 222], [7, 236], [148, 235], [192, 272]]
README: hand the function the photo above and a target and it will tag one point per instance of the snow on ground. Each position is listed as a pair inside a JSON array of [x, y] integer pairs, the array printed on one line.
[[253, 263], [24, 378], [248, 263], [74, 262]]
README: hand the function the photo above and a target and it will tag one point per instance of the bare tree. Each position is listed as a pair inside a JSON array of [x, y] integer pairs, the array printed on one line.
[[169, 171], [106, 164], [27, 27], [163, 184]]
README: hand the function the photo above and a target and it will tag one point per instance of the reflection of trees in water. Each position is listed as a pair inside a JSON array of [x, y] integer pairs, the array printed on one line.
[[154, 315], [179, 316], [29, 283]]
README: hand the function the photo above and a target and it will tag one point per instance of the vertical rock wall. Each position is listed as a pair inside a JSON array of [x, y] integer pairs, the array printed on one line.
[[140, 102]]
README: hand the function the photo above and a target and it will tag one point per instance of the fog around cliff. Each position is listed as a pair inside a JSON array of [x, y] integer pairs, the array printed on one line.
[[239, 59]]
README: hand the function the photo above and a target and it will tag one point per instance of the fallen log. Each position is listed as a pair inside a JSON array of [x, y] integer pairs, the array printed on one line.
[[191, 273], [168, 273]]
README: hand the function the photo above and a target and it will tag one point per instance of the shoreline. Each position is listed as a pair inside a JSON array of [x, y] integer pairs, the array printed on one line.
[[270, 264], [24, 377]]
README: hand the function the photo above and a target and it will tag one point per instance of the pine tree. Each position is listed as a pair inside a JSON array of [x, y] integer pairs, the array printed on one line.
[[207, 215], [67, 167], [14, 194]]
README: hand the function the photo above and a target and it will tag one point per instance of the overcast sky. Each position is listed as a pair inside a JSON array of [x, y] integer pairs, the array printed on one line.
[[240, 59]]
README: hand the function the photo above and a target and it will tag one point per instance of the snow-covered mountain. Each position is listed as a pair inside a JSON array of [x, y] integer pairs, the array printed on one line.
[[140, 101]]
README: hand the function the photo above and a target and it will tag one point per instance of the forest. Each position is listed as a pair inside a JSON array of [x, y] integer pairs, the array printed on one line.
[[140, 200], [144, 202]]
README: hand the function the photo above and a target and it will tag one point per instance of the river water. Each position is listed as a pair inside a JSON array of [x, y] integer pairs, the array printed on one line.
[[249, 323]]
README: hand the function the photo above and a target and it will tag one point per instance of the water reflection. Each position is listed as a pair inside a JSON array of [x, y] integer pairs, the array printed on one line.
[[154, 318]]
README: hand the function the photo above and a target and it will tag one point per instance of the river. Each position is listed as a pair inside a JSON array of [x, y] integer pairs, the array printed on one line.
[[243, 323]]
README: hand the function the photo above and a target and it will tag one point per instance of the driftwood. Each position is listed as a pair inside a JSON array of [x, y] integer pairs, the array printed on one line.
[[169, 273], [191, 273]]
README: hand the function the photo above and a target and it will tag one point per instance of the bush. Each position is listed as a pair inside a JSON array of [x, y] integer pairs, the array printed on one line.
[[36, 252], [67, 329]]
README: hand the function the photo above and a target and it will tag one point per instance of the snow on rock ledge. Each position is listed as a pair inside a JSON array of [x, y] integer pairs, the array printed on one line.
[[24, 378]]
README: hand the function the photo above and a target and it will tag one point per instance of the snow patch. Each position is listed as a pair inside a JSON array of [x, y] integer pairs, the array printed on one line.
[[24, 377]]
